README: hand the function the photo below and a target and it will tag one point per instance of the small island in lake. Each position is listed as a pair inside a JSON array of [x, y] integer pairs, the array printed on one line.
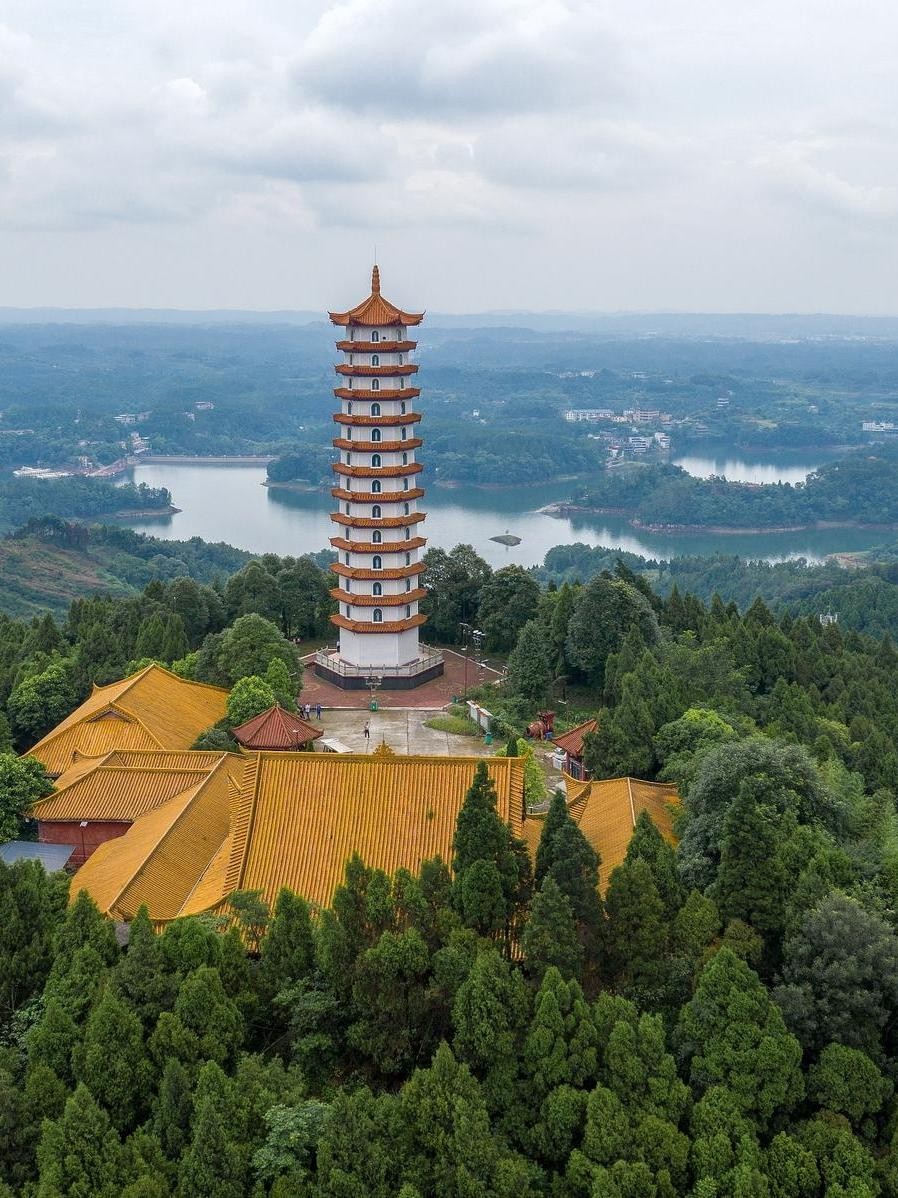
[[506, 538]]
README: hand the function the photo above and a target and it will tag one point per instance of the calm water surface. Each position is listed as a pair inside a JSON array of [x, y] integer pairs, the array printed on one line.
[[229, 503]]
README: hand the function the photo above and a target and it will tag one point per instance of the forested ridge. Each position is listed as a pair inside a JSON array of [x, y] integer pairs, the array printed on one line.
[[716, 1019], [861, 488]]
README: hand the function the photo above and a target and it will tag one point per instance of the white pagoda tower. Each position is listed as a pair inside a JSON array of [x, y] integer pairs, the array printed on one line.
[[377, 517]]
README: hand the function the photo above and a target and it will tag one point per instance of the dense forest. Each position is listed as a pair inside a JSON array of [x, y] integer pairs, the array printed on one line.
[[715, 1020], [861, 488], [269, 387], [22, 499]]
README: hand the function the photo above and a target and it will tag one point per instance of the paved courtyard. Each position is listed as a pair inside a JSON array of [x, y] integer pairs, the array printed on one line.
[[434, 694], [402, 730]]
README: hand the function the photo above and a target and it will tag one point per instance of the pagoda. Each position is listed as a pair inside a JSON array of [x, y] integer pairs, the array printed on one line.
[[377, 518]]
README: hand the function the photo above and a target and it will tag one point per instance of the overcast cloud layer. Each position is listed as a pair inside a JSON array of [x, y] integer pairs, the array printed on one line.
[[502, 154]]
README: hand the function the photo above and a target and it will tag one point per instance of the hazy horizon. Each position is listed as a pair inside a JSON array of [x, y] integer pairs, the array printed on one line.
[[501, 155]]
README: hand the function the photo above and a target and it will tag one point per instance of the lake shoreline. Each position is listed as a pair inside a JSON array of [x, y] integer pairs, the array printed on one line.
[[571, 509]]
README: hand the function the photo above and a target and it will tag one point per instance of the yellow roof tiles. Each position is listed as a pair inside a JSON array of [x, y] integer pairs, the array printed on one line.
[[289, 819], [606, 813], [116, 793], [152, 709]]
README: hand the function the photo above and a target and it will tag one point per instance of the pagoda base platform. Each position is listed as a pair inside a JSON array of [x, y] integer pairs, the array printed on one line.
[[331, 667]]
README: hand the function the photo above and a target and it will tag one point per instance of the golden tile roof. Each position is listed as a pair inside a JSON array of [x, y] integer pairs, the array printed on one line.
[[160, 858], [152, 709], [117, 793], [289, 819], [375, 310], [606, 813]]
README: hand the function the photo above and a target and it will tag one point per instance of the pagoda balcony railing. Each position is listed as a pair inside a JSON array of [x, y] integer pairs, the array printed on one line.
[[330, 659]]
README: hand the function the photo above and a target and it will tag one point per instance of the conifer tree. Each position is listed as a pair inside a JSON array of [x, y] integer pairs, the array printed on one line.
[[647, 844], [212, 1167], [731, 1034], [151, 639], [575, 870], [288, 949], [636, 931], [556, 818], [550, 934], [752, 881], [174, 639], [529, 667], [141, 977], [173, 1109], [80, 1154], [487, 867], [112, 1061]]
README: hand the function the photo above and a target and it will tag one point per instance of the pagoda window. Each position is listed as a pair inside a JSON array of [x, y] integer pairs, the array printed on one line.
[[408, 611], [408, 584], [347, 509], [375, 336], [375, 512], [403, 434], [402, 384], [377, 589], [375, 459], [375, 359], [400, 359], [408, 534], [348, 610], [346, 556], [352, 334], [349, 413], [402, 407], [375, 409], [377, 616], [349, 584], [405, 463], [404, 481], [350, 382], [375, 434], [407, 508], [348, 459], [350, 359], [377, 536], [408, 559], [375, 384], [375, 487], [377, 562]]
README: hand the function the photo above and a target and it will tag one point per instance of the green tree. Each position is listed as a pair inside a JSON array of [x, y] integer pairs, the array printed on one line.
[[150, 641], [141, 978], [80, 1154], [529, 666], [845, 1081], [605, 611], [212, 1167], [174, 640], [277, 676], [840, 977], [112, 1061], [636, 934], [454, 581], [487, 867], [647, 844], [31, 908], [556, 817], [550, 934], [248, 647], [288, 949], [731, 1034], [41, 701], [249, 697], [173, 1109], [508, 599], [393, 1002]]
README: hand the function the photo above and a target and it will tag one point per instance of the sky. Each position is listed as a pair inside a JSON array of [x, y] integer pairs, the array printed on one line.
[[573, 155]]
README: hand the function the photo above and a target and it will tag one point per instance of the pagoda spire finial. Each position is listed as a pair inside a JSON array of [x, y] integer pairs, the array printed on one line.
[[375, 280]]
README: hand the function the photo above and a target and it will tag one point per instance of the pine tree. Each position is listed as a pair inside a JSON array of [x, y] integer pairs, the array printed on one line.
[[576, 872], [174, 639], [173, 1109], [141, 977], [529, 667], [647, 844], [636, 933], [487, 867], [752, 881], [211, 1166], [556, 818], [550, 934], [112, 1061], [288, 949], [488, 1015], [150, 641], [80, 1154]]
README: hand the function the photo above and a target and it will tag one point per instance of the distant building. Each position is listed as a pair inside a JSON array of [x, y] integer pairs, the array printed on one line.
[[204, 405], [126, 418], [576, 415], [570, 745], [878, 426]]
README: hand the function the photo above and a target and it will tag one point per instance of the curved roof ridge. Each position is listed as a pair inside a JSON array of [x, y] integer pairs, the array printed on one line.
[[376, 310]]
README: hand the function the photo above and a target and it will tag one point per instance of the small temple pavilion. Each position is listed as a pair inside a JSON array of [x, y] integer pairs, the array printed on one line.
[[275, 729], [377, 516]]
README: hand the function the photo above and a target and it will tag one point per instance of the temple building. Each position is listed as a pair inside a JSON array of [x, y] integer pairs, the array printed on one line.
[[377, 516]]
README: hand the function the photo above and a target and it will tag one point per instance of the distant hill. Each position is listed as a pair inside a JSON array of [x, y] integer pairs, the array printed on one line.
[[748, 326], [43, 568]]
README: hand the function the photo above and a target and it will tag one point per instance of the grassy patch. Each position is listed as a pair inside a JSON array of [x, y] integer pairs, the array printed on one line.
[[457, 725]]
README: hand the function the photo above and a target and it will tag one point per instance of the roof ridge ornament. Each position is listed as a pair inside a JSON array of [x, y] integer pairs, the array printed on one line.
[[375, 280]]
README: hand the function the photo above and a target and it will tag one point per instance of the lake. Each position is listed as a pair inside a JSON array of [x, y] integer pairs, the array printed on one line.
[[229, 503]]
